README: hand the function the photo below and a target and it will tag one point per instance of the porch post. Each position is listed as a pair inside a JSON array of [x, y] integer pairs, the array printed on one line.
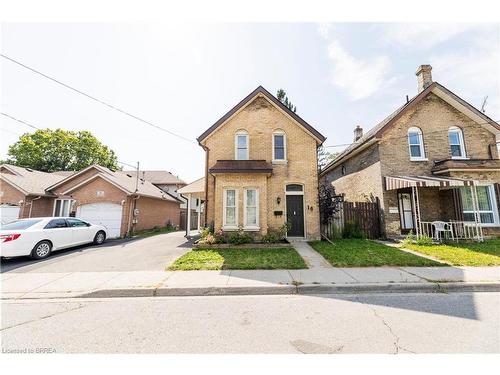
[[477, 218], [416, 210], [188, 216], [198, 209]]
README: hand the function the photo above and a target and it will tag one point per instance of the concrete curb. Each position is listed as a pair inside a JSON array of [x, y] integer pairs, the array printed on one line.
[[303, 289]]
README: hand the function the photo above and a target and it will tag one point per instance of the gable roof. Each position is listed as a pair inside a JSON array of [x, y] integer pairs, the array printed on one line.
[[386, 123], [29, 181], [120, 180], [157, 177], [261, 90]]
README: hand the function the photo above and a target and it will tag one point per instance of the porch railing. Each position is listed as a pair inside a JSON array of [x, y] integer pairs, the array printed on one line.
[[454, 230]]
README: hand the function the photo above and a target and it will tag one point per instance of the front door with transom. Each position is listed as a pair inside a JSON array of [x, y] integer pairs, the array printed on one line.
[[295, 215]]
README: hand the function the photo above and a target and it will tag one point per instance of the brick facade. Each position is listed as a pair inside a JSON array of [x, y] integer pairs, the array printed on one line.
[[260, 118], [364, 173]]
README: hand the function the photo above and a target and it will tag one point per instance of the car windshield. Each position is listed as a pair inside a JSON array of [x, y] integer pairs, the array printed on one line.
[[19, 224]]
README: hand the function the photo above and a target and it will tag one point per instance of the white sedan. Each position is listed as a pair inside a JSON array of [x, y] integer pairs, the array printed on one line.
[[38, 237]]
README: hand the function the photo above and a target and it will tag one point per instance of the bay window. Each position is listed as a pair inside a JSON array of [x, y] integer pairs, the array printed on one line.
[[488, 214]]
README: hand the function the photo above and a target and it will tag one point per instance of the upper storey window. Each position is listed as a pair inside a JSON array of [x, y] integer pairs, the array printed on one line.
[[416, 144], [241, 145], [279, 146], [456, 139]]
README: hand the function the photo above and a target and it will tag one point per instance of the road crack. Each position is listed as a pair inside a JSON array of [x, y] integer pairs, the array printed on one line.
[[80, 305]]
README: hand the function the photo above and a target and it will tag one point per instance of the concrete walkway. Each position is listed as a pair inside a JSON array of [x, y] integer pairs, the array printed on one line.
[[246, 282], [313, 259]]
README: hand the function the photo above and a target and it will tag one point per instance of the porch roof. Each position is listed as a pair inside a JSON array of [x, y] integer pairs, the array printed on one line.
[[400, 182], [195, 188]]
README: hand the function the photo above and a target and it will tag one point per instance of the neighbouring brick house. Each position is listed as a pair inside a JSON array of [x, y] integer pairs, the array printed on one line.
[[433, 159], [117, 200], [261, 169], [171, 184]]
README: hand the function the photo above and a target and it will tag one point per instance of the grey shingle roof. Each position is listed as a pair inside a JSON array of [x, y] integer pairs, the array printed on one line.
[[30, 181], [157, 177]]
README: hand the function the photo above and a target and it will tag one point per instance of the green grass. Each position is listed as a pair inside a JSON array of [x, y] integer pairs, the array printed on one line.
[[366, 253], [239, 259], [485, 253], [153, 232]]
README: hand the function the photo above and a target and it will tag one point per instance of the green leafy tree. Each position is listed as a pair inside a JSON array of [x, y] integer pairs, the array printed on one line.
[[281, 95], [55, 150], [324, 157]]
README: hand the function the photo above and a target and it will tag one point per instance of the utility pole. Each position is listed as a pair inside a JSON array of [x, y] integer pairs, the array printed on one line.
[[137, 178]]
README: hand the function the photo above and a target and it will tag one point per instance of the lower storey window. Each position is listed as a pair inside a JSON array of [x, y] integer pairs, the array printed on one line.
[[230, 214], [251, 208], [62, 207], [486, 204]]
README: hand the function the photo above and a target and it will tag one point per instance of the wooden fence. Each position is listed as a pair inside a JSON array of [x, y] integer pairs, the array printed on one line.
[[194, 220], [362, 216]]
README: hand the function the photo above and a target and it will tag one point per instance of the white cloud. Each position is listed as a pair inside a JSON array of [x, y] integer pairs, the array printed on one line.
[[423, 35], [476, 72], [324, 29], [358, 78]]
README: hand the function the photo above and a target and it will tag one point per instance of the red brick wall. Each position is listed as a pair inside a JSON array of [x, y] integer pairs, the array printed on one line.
[[39, 207], [156, 212]]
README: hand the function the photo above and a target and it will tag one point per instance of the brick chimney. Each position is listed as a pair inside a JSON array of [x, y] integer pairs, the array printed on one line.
[[358, 133], [424, 77]]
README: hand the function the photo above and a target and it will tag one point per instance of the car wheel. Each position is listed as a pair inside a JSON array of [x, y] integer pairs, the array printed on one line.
[[41, 250], [100, 237]]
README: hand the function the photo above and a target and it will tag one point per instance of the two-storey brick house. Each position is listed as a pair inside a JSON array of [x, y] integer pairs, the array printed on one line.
[[261, 169], [433, 159]]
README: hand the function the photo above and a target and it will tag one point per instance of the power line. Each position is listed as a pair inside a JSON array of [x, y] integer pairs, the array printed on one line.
[[424, 134], [21, 121], [98, 100]]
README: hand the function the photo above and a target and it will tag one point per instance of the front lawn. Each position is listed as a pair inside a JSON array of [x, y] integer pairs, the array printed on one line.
[[366, 253], [239, 259], [485, 253]]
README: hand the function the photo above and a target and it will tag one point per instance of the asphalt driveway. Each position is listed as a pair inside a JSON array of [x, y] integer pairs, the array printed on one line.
[[138, 254]]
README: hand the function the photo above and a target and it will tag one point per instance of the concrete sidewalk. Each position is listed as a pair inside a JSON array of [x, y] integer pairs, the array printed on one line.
[[306, 281]]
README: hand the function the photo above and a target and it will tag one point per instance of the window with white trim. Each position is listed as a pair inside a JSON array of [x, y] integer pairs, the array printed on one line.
[[456, 139], [241, 145], [62, 207], [486, 203], [230, 214], [416, 144], [251, 206], [279, 146]]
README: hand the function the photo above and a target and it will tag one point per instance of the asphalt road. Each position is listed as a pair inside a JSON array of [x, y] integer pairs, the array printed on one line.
[[138, 254], [377, 323]]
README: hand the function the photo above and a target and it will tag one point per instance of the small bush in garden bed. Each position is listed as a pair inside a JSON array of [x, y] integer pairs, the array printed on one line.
[[352, 230]]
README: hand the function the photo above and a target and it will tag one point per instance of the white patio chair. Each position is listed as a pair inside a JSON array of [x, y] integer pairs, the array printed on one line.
[[441, 227]]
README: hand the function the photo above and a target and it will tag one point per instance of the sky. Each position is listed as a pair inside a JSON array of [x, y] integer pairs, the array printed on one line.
[[184, 77]]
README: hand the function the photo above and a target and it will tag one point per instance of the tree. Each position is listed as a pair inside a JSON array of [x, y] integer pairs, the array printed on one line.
[[281, 95], [55, 150], [329, 202], [324, 157]]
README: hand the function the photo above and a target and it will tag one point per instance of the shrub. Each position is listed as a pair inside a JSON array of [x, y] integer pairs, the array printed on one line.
[[204, 232], [352, 230], [424, 241], [274, 236], [239, 237]]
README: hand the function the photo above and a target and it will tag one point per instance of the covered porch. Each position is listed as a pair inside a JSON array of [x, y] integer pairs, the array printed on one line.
[[440, 207], [195, 190]]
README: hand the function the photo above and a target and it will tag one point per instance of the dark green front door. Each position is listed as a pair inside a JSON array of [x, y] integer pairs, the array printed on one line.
[[295, 215]]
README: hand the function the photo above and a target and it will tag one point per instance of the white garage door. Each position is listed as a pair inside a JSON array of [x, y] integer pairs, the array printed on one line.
[[8, 213], [107, 214]]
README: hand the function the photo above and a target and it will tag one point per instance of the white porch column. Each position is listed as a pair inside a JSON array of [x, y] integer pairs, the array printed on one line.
[[416, 211], [477, 217], [188, 216], [198, 209]]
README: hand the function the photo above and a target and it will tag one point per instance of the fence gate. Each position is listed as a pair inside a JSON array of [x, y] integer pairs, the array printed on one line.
[[365, 215]]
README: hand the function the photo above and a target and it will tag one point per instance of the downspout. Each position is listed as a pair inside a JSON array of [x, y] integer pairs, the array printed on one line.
[[31, 204], [207, 152]]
